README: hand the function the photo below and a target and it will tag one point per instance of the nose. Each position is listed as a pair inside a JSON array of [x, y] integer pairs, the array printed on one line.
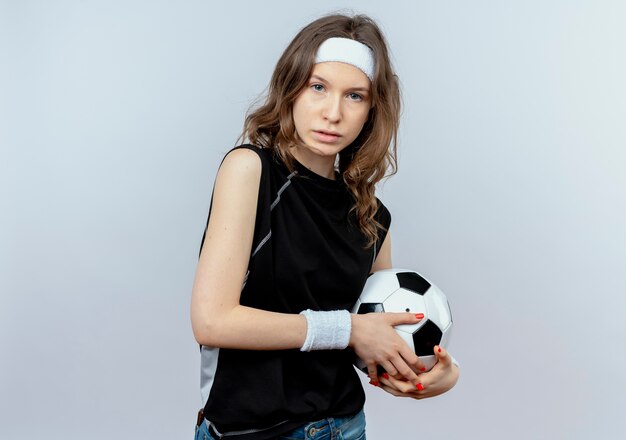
[[332, 109]]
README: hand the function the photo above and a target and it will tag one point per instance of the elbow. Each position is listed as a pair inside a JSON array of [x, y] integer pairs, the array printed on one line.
[[206, 332], [210, 326], [211, 319]]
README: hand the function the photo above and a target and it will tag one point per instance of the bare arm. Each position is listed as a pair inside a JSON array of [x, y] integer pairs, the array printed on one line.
[[217, 318]]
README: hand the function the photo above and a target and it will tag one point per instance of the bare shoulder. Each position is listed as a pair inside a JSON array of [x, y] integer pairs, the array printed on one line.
[[238, 179], [241, 164]]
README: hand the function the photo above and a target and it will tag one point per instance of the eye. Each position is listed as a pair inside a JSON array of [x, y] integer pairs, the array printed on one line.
[[317, 87], [355, 97]]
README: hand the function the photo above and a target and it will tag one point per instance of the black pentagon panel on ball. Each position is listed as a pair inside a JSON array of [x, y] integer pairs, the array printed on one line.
[[413, 282], [425, 338], [370, 307]]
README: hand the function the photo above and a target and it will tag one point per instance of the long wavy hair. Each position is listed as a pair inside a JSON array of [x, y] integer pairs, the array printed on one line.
[[373, 154]]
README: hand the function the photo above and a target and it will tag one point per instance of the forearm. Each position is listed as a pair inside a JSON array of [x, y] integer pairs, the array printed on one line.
[[248, 328]]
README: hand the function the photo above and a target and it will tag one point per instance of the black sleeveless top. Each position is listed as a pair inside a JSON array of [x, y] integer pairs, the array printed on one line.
[[307, 253]]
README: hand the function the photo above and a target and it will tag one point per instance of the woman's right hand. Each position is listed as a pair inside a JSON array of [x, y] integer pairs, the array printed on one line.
[[376, 342]]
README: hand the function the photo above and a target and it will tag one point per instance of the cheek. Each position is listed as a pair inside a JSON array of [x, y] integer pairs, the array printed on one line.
[[298, 114], [360, 121]]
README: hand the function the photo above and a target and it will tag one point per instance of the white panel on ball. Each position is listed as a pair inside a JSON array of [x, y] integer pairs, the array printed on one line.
[[437, 306], [406, 301]]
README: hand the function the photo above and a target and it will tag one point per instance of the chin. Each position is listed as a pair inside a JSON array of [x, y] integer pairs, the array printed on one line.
[[322, 149]]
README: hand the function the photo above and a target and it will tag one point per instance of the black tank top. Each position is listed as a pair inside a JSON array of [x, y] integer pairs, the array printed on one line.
[[307, 253]]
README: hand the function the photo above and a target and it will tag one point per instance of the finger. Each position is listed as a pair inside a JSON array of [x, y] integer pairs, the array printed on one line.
[[398, 393], [391, 371], [372, 373], [391, 390], [400, 385], [406, 371], [426, 381], [404, 318], [442, 355], [390, 367], [414, 361]]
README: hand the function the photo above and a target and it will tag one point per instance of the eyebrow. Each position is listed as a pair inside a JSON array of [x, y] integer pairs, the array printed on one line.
[[360, 89]]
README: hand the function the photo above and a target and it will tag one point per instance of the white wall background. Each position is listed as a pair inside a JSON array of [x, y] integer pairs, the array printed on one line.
[[510, 196]]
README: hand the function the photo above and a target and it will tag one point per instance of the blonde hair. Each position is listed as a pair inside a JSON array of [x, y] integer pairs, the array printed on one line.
[[372, 156]]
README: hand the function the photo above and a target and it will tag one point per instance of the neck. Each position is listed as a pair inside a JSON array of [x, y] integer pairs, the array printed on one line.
[[321, 165]]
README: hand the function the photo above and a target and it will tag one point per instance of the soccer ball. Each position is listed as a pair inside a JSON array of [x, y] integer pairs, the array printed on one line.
[[399, 290]]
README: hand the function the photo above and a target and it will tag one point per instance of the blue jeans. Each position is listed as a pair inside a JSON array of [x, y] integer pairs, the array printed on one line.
[[332, 428]]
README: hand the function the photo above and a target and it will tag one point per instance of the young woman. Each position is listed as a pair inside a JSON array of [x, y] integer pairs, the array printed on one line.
[[294, 230]]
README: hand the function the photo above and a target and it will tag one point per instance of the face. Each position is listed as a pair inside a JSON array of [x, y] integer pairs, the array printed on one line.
[[331, 110]]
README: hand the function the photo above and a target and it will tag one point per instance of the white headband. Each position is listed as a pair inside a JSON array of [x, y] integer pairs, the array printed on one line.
[[346, 50]]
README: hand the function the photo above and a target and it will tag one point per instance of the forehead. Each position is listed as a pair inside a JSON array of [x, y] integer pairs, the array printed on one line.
[[341, 75]]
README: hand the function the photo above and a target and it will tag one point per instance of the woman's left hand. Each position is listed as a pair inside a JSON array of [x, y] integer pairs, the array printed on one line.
[[442, 377]]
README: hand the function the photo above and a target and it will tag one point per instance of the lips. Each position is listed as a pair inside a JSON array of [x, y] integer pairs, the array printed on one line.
[[334, 133], [326, 136]]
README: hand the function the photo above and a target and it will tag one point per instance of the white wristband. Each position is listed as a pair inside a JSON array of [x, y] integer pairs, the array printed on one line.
[[327, 330]]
